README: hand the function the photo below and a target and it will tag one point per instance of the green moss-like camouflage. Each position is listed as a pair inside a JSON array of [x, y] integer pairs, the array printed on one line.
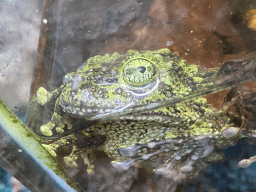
[[176, 138]]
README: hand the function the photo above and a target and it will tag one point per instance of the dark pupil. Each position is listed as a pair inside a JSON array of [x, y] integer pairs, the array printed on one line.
[[141, 69]]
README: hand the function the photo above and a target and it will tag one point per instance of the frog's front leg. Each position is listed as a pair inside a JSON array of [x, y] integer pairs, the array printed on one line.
[[69, 148], [58, 126], [64, 149]]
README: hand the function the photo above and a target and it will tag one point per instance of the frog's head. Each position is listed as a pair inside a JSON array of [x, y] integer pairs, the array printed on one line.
[[115, 86], [107, 84]]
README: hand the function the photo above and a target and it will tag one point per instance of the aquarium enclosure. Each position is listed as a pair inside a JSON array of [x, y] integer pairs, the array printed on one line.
[[129, 95]]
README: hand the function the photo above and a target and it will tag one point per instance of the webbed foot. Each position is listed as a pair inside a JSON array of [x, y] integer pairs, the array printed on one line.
[[166, 156]]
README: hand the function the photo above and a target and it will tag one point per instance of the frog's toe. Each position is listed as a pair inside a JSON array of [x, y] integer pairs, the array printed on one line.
[[123, 165], [247, 162], [46, 130], [170, 164], [204, 148], [167, 167], [198, 153], [70, 161], [43, 96], [230, 132], [130, 150]]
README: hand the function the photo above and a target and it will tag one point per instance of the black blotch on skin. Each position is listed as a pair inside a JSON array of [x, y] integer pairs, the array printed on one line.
[[65, 150], [92, 142]]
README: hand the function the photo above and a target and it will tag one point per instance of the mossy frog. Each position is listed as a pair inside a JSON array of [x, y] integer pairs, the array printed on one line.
[[109, 104]]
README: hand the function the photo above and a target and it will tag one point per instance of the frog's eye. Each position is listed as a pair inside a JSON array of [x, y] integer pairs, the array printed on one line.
[[139, 71]]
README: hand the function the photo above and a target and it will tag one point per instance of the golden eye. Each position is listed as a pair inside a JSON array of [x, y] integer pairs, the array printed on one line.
[[139, 71]]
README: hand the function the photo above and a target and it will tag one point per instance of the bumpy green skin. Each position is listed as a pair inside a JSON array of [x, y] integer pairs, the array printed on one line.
[[173, 140]]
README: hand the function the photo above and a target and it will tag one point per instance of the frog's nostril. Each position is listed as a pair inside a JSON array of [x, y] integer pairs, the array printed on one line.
[[141, 69]]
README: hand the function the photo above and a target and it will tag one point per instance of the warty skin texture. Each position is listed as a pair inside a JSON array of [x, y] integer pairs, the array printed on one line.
[[178, 139]]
